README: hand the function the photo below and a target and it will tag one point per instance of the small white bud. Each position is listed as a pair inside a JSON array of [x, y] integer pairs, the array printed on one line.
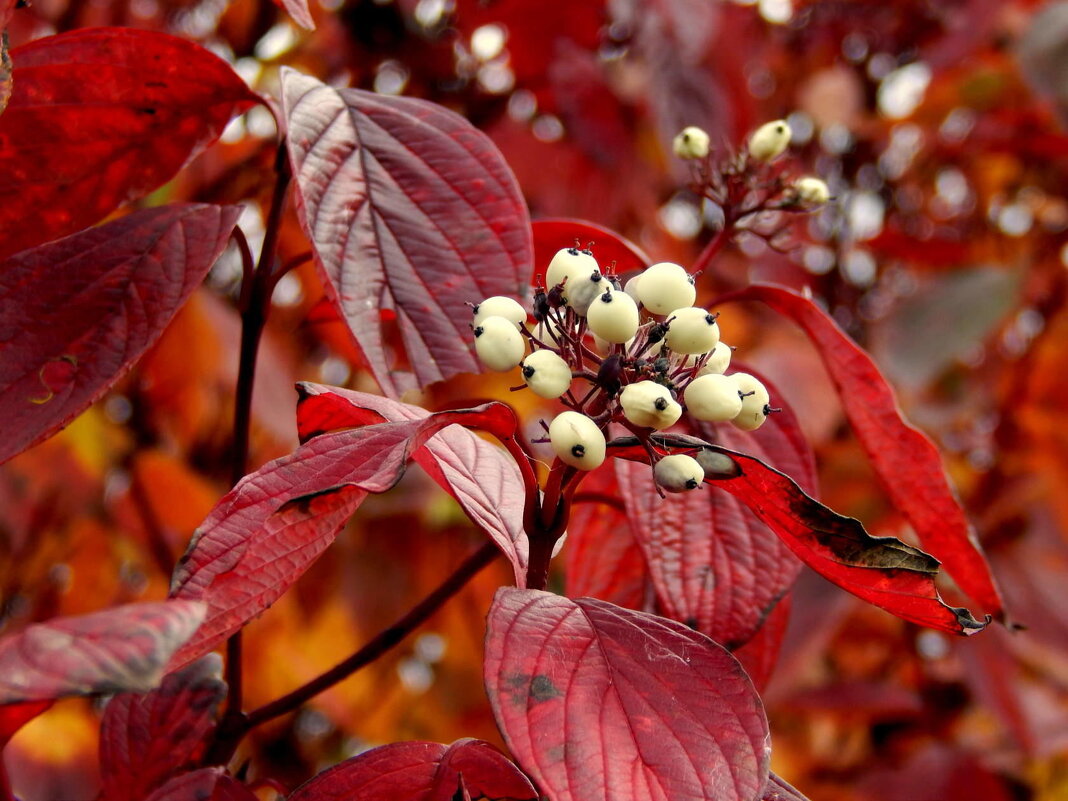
[[613, 316], [679, 473], [499, 306], [546, 374], [650, 405], [755, 400], [691, 143], [499, 344], [576, 439], [811, 191], [692, 330], [665, 287], [769, 140], [713, 398]]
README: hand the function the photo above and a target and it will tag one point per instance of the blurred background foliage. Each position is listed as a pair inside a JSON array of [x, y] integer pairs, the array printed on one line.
[[940, 129]]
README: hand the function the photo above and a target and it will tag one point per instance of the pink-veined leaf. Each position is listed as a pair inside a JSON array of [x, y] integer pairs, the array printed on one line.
[[716, 567], [134, 105], [267, 530], [298, 10], [483, 479], [601, 557], [601, 703], [420, 771], [907, 462], [779, 790], [554, 233], [147, 739], [881, 570], [120, 649], [77, 313], [410, 210]]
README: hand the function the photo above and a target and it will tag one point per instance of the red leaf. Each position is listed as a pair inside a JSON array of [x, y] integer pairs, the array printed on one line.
[[298, 10], [206, 784], [761, 653], [124, 648], [600, 702], [715, 567], [552, 234], [778, 790], [267, 531], [906, 461], [882, 570], [133, 105], [602, 558], [77, 313], [146, 739], [409, 208], [420, 771], [483, 479], [6, 9]]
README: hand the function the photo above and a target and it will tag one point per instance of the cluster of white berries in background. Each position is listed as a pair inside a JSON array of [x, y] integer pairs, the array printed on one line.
[[766, 144], [638, 357]]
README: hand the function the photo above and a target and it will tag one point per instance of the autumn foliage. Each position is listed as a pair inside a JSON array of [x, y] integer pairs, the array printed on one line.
[[269, 529]]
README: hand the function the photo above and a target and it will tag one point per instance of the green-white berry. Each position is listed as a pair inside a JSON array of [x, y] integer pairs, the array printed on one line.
[[665, 287], [755, 400], [576, 439], [546, 374], [581, 290], [567, 264], [692, 330], [713, 398], [499, 306], [769, 140], [679, 473], [691, 143], [650, 405], [499, 344], [613, 316]]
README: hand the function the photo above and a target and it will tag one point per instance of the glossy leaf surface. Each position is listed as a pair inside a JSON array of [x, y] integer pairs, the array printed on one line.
[[483, 479], [77, 313], [124, 648], [599, 702], [552, 234], [412, 213], [134, 105], [146, 739], [266, 531], [906, 461], [882, 570], [420, 771]]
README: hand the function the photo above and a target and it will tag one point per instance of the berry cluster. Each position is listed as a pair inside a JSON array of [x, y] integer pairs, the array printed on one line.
[[638, 356]]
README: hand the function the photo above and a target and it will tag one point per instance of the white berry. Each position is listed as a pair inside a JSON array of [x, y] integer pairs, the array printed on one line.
[[499, 344], [755, 400], [581, 290], [499, 306], [692, 330], [546, 374], [666, 287], [613, 316], [568, 263], [679, 473], [718, 360], [691, 143], [631, 287], [577, 440], [713, 398], [811, 191], [769, 140], [650, 405]]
